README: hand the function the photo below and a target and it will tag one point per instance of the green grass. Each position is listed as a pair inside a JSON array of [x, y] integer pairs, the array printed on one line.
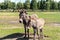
[[48, 16], [5, 32], [53, 32], [8, 14]]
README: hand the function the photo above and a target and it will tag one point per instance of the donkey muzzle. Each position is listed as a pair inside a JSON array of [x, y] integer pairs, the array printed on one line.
[[20, 20]]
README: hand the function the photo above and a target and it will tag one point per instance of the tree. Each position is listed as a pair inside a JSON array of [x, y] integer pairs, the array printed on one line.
[[19, 5], [43, 5], [38, 4], [27, 4], [53, 5], [11, 5], [6, 3], [33, 4], [2, 5], [48, 2], [56, 5], [59, 5]]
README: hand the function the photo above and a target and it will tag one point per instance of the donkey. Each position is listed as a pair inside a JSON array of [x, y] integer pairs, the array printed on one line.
[[37, 24], [25, 19]]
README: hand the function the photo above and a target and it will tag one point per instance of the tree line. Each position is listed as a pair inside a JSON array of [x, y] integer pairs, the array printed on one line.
[[33, 5]]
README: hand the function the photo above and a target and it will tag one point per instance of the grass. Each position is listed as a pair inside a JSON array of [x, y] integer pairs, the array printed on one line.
[[48, 16], [53, 32], [8, 14], [5, 32]]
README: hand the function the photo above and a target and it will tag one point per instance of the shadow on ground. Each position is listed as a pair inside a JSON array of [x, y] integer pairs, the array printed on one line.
[[15, 36]]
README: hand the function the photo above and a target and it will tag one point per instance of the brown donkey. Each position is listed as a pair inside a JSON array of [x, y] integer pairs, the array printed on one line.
[[37, 24]]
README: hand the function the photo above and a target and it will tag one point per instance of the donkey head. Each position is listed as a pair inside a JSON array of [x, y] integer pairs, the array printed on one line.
[[24, 16]]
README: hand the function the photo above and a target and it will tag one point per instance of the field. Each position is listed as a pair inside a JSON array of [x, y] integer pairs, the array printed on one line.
[[9, 24]]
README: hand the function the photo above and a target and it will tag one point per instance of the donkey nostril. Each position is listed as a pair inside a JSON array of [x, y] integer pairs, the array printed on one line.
[[20, 21]]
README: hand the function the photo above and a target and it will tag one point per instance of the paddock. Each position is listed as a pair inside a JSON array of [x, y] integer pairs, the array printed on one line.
[[10, 26]]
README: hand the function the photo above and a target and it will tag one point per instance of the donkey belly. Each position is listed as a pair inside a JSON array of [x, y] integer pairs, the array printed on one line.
[[34, 26]]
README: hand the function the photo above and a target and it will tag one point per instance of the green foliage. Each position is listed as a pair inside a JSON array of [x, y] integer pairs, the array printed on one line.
[[48, 4], [27, 4], [7, 4], [11, 5], [42, 5], [2, 5], [53, 5], [47, 0], [38, 4], [33, 4], [59, 5], [19, 5]]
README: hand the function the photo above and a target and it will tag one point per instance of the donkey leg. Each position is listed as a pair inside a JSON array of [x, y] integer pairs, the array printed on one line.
[[25, 30], [41, 33], [38, 34], [34, 34], [28, 33]]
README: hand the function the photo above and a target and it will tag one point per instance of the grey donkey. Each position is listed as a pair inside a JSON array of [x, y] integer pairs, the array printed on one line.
[[25, 19]]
